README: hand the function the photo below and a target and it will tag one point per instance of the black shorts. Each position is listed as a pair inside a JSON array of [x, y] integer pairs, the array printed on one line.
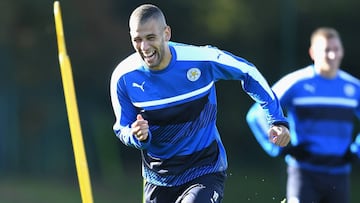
[[315, 187], [205, 189]]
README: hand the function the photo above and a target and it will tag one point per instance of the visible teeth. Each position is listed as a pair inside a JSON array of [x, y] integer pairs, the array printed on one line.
[[149, 55]]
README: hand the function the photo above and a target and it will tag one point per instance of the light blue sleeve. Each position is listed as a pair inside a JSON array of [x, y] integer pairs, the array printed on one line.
[[123, 129], [355, 146], [259, 126], [125, 113], [231, 67]]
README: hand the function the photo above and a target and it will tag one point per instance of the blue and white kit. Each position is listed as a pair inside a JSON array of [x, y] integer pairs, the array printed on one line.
[[323, 111], [180, 105]]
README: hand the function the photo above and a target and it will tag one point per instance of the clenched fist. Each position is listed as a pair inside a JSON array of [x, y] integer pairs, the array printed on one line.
[[140, 128], [279, 135]]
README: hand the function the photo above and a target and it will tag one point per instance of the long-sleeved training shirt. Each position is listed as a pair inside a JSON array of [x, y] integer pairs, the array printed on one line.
[[321, 116], [180, 105]]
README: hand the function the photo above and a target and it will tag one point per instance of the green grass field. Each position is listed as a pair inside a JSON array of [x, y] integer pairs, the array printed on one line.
[[257, 185]]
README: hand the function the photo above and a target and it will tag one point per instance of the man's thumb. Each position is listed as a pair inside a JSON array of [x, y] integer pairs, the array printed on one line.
[[139, 117]]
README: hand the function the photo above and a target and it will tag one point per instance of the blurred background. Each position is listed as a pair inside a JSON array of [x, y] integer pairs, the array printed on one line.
[[36, 156]]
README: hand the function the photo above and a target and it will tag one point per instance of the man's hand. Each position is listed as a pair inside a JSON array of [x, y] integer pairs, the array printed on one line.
[[279, 135], [140, 128]]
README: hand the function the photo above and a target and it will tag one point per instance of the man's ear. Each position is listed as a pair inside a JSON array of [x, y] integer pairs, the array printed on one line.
[[167, 33], [311, 53]]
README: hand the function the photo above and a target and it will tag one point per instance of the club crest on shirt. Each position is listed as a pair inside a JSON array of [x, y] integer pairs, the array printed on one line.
[[349, 90], [193, 74]]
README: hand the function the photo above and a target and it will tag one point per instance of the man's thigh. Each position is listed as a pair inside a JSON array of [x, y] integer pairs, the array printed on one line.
[[207, 188]]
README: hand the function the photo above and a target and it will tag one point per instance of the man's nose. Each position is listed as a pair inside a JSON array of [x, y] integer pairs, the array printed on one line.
[[144, 45], [331, 55]]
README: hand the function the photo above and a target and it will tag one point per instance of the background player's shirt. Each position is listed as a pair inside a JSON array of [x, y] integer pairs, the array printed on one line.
[[180, 105], [321, 113]]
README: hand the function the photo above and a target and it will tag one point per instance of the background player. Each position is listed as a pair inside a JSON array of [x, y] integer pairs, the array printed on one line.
[[321, 102]]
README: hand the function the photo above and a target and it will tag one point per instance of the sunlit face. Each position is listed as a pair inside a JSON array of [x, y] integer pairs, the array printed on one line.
[[327, 55], [150, 39]]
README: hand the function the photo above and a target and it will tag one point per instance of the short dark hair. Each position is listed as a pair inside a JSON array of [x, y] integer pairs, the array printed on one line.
[[326, 32], [147, 11]]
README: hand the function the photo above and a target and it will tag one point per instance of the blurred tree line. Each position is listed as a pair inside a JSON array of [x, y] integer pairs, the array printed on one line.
[[34, 133]]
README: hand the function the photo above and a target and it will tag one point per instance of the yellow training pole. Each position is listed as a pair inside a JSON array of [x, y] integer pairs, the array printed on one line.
[[72, 110]]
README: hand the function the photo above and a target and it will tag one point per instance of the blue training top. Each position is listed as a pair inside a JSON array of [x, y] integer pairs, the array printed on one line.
[[180, 105], [321, 113]]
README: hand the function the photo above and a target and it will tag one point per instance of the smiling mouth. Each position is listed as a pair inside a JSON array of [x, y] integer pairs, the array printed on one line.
[[147, 56]]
